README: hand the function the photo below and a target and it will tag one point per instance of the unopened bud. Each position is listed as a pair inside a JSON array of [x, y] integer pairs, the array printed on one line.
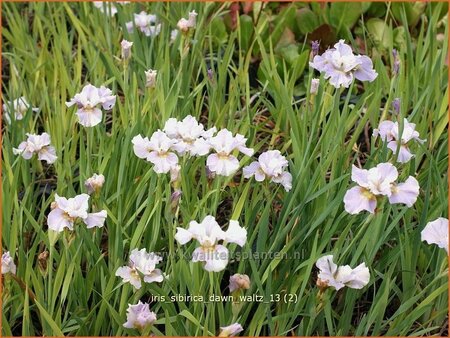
[[192, 19], [314, 86], [238, 282], [126, 49], [42, 261], [150, 76], [175, 200], [396, 65], [315, 45], [396, 105], [175, 174], [183, 25], [94, 184]]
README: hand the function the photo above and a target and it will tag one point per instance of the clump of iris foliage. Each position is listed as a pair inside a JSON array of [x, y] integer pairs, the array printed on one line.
[[245, 67]]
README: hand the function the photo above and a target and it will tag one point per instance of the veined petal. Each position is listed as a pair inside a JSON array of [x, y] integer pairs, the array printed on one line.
[[162, 163], [339, 78], [364, 71], [199, 255], [343, 48], [47, 154], [358, 199], [285, 179], [326, 266], [89, 117], [96, 219], [128, 275], [405, 193], [216, 260], [155, 276], [224, 166], [57, 221], [231, 330]]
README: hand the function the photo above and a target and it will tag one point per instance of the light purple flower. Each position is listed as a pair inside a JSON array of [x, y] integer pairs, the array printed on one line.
[[88, 101], [157, 150], [396, 65], [375, 182], [210, 74], [141, 267], [223, 162], [106, 7], [150, 78], [94, 183], [189, 135], [390, 132], [139, 316], [185, 25], [314, 89], [341, 276], [271, 165], [37, 144], [66, 211], [396, 105], [208, 233], [341, 66]]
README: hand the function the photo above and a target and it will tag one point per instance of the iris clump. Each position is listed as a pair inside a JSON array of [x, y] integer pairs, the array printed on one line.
[[188, 137]]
